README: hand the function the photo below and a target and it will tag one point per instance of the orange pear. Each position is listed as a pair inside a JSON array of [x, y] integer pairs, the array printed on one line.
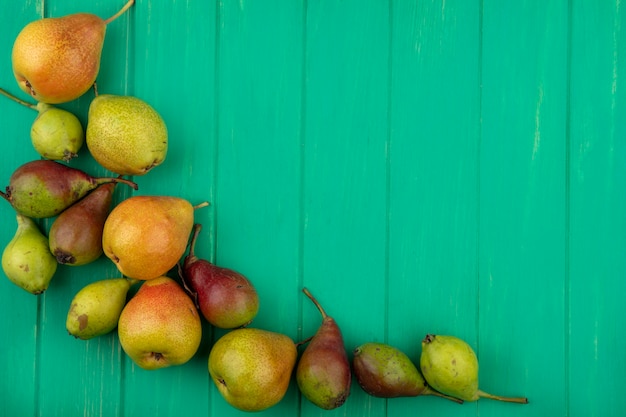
[[57, 59], [146, 236], [160, 326]]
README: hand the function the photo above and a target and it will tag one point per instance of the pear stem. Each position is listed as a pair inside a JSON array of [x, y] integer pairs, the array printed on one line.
[[302, 342], [192, 245], [318, 305], [203, 204], [118, 180], [429, 391], [22, 102], [120, 12], [519, 400]]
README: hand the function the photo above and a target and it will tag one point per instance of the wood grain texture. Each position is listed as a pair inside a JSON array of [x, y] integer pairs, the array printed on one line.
[[453, 167]]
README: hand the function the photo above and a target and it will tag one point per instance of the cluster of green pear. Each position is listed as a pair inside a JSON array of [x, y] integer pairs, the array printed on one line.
[[146, 237]]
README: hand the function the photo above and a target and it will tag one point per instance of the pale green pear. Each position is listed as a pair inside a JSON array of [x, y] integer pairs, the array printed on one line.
[[27, 260], [450, 366], [125, 134], [56, 134], [252, 367], [96, 308]]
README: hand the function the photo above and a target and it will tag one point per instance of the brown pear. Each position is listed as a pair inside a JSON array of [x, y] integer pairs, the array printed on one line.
[[76, 235], [323, 372], [146, 236], [57, 59]]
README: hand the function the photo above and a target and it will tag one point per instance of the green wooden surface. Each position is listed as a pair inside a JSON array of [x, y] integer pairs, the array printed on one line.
[[422, 166]]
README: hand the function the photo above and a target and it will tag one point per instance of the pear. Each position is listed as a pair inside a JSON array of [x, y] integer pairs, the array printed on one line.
[[44, 188], [226, 298], [450, 366], [96, 308], [252, 367], [27, 260], [323, 373], [56, 134], [385, 371], [160, 326], [57, 59], [125, 134], [146, 236], [76, 234]]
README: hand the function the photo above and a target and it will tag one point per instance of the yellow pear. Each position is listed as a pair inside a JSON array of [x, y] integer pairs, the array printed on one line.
[[145, 236], [252, 367], [160, 326], [125, 134], [57, 59]]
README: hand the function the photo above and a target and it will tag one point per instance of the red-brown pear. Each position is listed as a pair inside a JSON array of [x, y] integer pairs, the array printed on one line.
[[226, 298], [323, 373]]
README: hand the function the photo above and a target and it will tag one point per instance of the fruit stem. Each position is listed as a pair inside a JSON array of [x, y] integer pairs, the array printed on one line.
[[302, 342], [429, 391], [192, 245], [319, 307], [5, 196], [203, 204], [120, 12], [118, 180], [519, 400], [22, 102]]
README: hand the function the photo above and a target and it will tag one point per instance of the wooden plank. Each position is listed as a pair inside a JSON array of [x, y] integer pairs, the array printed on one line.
[[433, 201], [345, 163], [258, 173], [522, 253], [597, 177], [172, 68], [90, 369]]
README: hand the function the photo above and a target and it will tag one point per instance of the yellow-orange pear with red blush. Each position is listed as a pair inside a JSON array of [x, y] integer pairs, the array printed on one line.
[[146, 236], [57, 59]]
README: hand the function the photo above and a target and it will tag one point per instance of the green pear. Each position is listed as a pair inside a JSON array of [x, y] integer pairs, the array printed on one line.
[[252, 367], [450, 366], [56, 134], [160, 326], [125, 134], [27, 260], [386, 372], [96, 308]]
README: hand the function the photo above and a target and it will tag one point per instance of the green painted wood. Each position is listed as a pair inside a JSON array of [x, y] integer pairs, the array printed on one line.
[[422, 167], [597, 241]]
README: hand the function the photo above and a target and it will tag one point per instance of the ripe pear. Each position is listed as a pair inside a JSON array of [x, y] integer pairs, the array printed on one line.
[[160, 326], [386, 372], [226, 298], [27, 260], [125, 134], [44, 188], [252, 367], [450, 366], [76, 234], [146, 236], [96, 308], [57, 59], [56, 134], [323, 373]]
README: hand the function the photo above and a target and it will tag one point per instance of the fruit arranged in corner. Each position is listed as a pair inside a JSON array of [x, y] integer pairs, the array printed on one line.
[[26, 260], [44, 188], [160, 326], [386, 372], [450, 366], [56, 134], [125, 134], [146, 236], [323, 373], [226, 298], [252, 367], [76, 234], [96, 308], [57, 59]]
